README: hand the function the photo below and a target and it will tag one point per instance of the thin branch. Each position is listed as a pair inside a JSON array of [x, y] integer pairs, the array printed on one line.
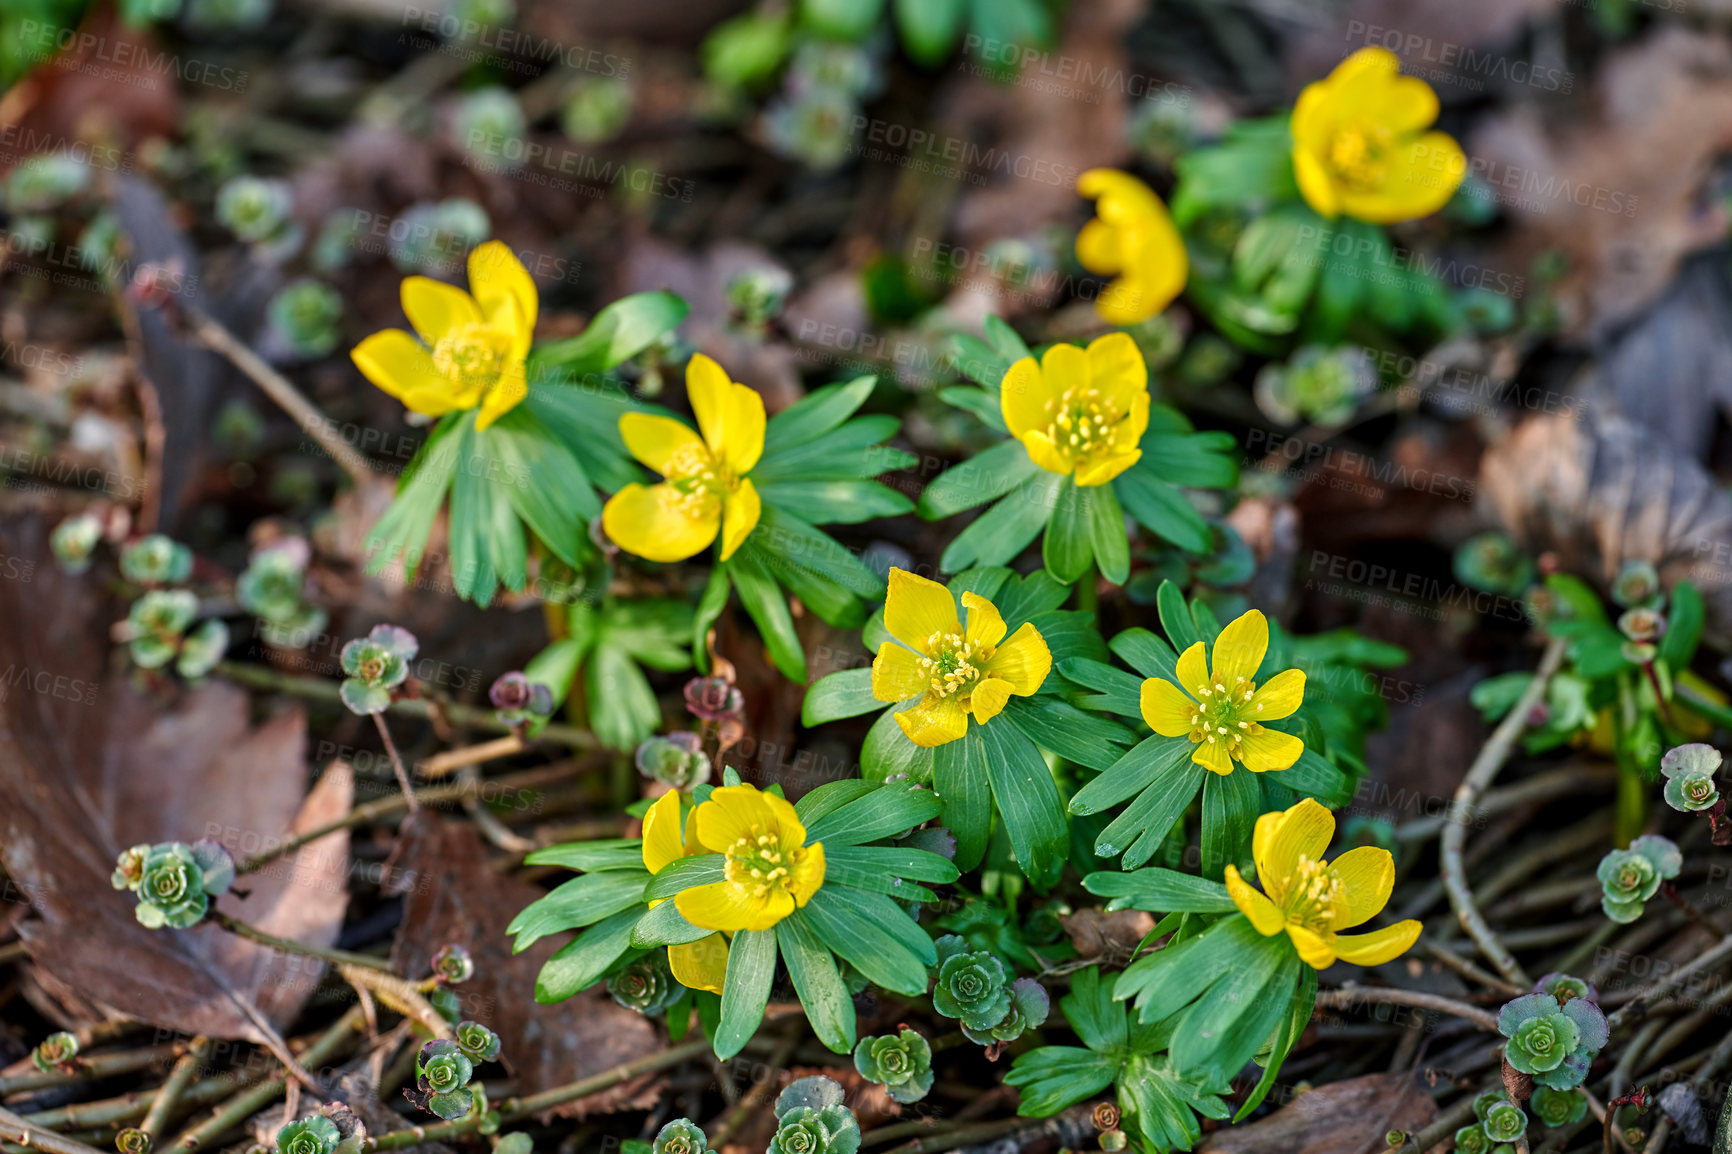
[[1479, 777], [289, 946], [403, 782], [16, 1129], [168, 1095], [1349, 995]]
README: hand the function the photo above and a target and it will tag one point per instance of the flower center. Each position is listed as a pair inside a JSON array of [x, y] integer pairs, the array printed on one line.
[[473, 355], [1225, 713], [953, 664], [759, 862], [1081, 423], [701, 481], [1312, 894], [1359, 155]]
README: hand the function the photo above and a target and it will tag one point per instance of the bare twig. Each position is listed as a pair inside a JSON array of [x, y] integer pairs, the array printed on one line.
[[1388, 995], [403, 782], [168, 1095], [18, 1130], [289, 946]]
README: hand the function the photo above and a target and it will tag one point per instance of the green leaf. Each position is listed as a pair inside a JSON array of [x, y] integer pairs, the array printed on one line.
[[403, 529], [1116, 691], [894, 861], [845, 693], [979, 362], [1021, 599], [985, 476], [556, 667], [830, 797], [665, 926], [1112, 549], [1027, 797], [766, 606], [929, 28], [1233, 1020], [829, 1008], [582, 901], [545, 483], [619, 853], [887, 811], [1153, 813], [888, 753], [1067, 549], [984, 406], [1067, 731], [818, 412], [745, 990], [620, 331], [1313, 776], [1003, 531], [1251, 167], [1165, 982], [850, 20], [852, 451], [1148, 654], [1160, 891], [1231, 803], [1184, 457], [836, 502], [783, 542], [867, 941], [710, 607], [623, 708], [1286, 1037], [581, 962], [1054, 1077], [1176, 618], [1683, 626], [1141, 767], [1162, 509], [960, 776], [684, 873]]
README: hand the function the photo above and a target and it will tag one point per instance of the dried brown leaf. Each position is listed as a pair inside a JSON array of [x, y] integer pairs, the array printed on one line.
[[1348, 1117]]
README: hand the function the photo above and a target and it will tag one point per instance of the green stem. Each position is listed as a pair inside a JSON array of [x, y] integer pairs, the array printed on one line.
[[1088, 594], [89, 1067], [18, 1130], [287, 946], [1632, 809], [168, 1096]]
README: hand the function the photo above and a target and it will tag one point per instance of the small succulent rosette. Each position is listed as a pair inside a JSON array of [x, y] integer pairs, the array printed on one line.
[[376, 665], [1472, 1139], [1558, 1107], [1504, 1122], [442, 1073], [1563, 987], [273, 588], [174, 881], [715, 699], [478, 1043], [677, 761], [314, 1135], [520, 700], [1690, 770], [974, 987], [900, 1062], [811, 1119], [1629, 877], [74, 541], [453, 964], [681, 1136], [156, 560], [646, 985], [1637, 585], [156, 632], [1554, 1043], [55, 1052]]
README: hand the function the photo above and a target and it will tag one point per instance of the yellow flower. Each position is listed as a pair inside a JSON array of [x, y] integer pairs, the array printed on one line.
[[1133, 236], [1080, 411], [706, 490], [959, 670], [1221, 709], [769, 870], [475, 345], [1313, 899], [1360, 145], [700, 965]]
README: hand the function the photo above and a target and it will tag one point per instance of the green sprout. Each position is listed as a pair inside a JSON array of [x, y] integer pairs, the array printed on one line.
[[1472, 1139], [972, 984], [43, 183], [306, 315], [54, 1052], [1554, 1043], [1317, 385], [442, 1073], [810, 1119], [155, 624], [314, 1135], [273, 588], [156, 560], [478, 1043], [485, 122], [1637, 584], [132, 1140], [1629, 877], [646, 985], [435, 236], [452, 964], [1558, 1107], [1505, 1122], [596, 109], [74, 541], [1491, 562], [1690, 771], [254, 209], [677, 760], [518, 699], [174, 881], [681, 1136], [376, 664], [901, 1062]]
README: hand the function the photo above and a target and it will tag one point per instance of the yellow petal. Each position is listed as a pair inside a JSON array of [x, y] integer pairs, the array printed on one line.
[[1024, 660], [916, 608], [1023, 397], [647, 521], [1314, 183], [1260, 910], [1280, 839], [724, 906], [896, 673], [1213, 756], [1103, 469], [1422, 177], [661, 832], [809, 873], [985, 626], [1378, 946], [730, 812], [504, 290], [1120, 195], [789, 830], [1367, 875], [1044, 453], [987, 700], [505, 394], [1117, 370], [700, 965], [398, 364], [1166, 708], [731, 416], [1239, 649], [1264, 750], [656, 440], [1314, 949], [1098, 248], [435, 308], [776, 905], [1279, 696], [1064, 366], [740, 511], [935, 721], [1193, 670]]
